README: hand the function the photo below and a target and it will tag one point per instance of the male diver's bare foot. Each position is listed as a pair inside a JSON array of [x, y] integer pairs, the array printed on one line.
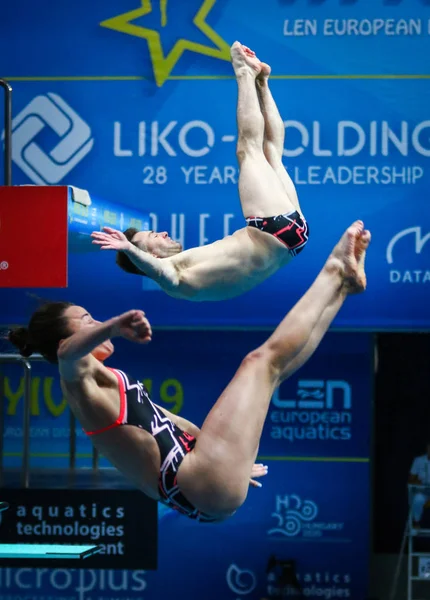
[[244, 60], [348, 257]]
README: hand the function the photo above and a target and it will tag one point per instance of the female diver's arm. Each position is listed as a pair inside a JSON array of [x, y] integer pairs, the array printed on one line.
[[74, 354]]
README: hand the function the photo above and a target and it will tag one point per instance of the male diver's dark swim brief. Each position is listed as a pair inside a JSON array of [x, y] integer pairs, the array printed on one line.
[[291, 229]]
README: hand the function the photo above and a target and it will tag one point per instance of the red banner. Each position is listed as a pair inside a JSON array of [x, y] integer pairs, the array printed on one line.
[[33, 236]]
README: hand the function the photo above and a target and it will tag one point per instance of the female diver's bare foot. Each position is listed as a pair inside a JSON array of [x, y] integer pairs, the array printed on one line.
[[244, 60], [360, 254], [348, 257], [264, 73]]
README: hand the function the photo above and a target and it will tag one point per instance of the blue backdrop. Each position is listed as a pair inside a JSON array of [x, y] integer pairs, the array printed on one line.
[[323, 410], [136, 102], [316, 442]]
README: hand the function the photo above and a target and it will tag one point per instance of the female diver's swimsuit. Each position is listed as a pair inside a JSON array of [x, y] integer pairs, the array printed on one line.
[[137, 409]]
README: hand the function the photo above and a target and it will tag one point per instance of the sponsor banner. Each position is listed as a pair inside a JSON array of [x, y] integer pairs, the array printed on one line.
[[166, 44], [323, 410], [122, 522], [242, 557], [362, 152], [306, 504], [328, 501], [231, 579], [72, 584]]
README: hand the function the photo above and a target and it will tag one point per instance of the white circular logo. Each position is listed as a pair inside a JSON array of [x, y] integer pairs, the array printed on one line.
[[4, 265], [241, 581]]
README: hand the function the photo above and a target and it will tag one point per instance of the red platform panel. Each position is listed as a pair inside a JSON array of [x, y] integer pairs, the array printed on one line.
[[33, 236]]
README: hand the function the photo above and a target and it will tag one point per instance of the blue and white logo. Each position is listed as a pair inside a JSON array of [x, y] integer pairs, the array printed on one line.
[[317, 393], [405, 249], [419, 241], [291, 513], [297, 517], [52, 113], [319, 410], [240, 581]]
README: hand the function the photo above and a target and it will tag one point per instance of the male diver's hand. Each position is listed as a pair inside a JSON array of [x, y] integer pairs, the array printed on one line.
[[110, 239], [133, 326], [258, 471]]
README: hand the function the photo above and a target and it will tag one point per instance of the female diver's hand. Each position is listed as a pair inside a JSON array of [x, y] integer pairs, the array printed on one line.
[[258, 471], [133, 326]]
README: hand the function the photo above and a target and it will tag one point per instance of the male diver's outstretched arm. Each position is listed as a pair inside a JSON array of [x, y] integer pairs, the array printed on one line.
[[161, 270]]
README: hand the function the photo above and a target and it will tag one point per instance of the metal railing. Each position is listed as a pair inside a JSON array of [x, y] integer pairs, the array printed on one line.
[[25, 362], [7, 88], [8, 358], [72, 448]]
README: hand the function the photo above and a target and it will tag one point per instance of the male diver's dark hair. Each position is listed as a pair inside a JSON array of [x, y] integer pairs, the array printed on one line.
[[123, 261], [46, 328]]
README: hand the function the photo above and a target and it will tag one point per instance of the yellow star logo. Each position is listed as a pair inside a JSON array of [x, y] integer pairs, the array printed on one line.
[[163, 65]]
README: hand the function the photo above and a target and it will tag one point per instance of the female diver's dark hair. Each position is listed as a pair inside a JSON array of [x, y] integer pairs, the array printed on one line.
[[46, 328]]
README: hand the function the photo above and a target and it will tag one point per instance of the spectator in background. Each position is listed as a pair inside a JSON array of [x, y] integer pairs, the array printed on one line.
[[420, 475]]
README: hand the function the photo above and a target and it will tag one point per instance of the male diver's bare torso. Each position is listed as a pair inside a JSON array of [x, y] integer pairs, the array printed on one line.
[[228, 267]]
